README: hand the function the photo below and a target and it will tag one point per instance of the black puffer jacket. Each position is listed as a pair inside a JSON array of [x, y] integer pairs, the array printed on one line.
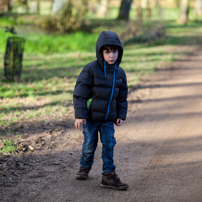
[[105, 84]]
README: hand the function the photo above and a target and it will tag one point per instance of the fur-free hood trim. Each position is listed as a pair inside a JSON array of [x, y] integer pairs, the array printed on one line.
[[108, 38]]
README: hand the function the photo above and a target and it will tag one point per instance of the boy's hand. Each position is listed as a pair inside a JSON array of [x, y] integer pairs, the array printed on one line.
[[79, 122], [119, 122]]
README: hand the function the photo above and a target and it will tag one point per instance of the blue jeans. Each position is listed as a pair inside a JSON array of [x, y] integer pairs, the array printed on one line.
[[90, 131]]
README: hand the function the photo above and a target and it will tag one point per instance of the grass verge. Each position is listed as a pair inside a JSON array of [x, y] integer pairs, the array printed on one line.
[[7, 147]]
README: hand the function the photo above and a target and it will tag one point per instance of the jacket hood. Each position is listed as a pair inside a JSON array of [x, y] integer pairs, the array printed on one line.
[[107, 38]]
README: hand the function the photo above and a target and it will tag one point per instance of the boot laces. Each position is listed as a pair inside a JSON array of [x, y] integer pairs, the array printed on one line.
[[115, 178]]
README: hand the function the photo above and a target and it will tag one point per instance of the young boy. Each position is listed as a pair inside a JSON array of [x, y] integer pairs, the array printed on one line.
[[100, 100]]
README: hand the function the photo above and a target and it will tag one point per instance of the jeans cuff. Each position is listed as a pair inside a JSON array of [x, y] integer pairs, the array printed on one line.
[[107, 171]]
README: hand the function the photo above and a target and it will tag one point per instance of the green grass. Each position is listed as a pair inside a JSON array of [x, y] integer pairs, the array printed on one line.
[[8, 147], [46, 44], [39, 42]]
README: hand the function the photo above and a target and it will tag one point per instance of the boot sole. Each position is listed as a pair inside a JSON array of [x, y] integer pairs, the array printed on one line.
[[81, 177], [117, 188]]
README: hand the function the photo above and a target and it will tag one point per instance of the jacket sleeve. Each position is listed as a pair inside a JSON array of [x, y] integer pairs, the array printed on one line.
[[82, 92], [122, 103]]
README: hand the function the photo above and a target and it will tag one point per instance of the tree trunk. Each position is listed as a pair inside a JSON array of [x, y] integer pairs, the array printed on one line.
[[103, 8], [93, 7], [144, 3], [27, 6], [124, 9], [58, 5], [9, 5], [38, 7], [139, 14], [52, 2], [146, 8], [184, 12], [177, 3], [158, 9], [198, 8], [148, 13]]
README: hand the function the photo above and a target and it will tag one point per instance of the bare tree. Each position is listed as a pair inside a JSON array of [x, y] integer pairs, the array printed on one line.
[[26, 4], [23, 3], [158, 8], [93, 7], [67, 15], [198, 8], [9, 5], [38, 6], [124, 9], [139, 14], [177, 3], [145, 5], [58, 6], [52, 2], [103, 8], [184, 12]]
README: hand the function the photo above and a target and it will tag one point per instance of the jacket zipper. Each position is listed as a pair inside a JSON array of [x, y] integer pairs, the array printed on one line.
[[114, 78]]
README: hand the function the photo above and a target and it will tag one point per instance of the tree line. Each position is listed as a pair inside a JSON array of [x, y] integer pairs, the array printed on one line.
[[184, 5], [68, 14]]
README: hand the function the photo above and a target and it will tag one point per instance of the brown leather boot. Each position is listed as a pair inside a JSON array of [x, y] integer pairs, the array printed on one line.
[[83, 173], [111, 180]]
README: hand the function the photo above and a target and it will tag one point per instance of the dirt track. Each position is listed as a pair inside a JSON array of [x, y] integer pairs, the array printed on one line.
[[158, 151]]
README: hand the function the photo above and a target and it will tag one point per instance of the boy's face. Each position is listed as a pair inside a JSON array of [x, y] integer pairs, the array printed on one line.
[[110, 56]]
